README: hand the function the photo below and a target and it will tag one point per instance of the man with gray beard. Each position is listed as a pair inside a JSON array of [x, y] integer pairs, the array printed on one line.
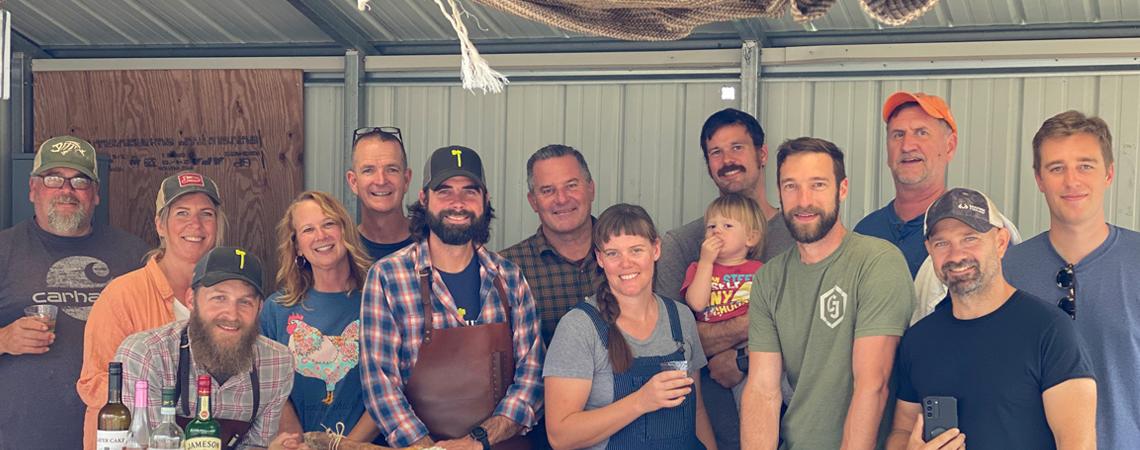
[[251, 375], [57, 258]]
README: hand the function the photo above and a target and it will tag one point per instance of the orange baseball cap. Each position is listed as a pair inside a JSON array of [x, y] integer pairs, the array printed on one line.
[[934, 105]]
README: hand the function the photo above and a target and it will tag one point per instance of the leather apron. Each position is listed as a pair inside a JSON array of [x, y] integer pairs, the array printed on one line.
[[233, 431], [667, 428], [462, 373]]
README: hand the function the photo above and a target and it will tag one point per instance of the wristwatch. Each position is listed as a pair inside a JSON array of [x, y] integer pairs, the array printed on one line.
[[480, 434], [742, 360]]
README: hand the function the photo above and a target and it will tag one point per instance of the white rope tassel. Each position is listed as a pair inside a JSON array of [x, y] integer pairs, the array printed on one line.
[[474, 71]]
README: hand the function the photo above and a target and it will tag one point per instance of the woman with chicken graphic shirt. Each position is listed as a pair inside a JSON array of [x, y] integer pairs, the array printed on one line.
[[317, 315]]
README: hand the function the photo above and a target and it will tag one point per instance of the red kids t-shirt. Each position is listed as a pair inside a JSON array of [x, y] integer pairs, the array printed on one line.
[[731, 286]]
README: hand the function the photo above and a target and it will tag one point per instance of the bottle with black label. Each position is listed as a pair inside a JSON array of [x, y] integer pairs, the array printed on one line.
[[114, 421]]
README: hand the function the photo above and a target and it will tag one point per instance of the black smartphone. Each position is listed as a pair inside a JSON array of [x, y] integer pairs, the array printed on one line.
[[940, 414]]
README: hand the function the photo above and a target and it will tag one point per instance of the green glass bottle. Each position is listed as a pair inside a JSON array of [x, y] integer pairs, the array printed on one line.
[[114, 418], [204, 432]]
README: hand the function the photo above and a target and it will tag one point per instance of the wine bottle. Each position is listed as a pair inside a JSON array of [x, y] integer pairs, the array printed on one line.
[[114, 418], [167, 435], [140, 424], [204, 432]]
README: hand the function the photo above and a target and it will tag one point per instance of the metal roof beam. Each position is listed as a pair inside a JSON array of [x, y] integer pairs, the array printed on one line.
[[956, 34], [324, 14], [22, 44], [195, 51]]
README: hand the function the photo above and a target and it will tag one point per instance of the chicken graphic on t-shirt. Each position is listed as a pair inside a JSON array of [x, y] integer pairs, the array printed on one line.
[[327, 358]]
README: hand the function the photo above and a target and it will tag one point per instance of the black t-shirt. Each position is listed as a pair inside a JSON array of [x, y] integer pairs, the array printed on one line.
[[377, 250], [997, 366], [464, 288]]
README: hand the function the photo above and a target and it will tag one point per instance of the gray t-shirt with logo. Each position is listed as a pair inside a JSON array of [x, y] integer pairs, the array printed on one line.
[[41, 407], [812, 313]]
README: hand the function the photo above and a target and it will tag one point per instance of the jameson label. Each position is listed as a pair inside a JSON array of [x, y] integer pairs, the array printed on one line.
[[202, 443], [111, 440]]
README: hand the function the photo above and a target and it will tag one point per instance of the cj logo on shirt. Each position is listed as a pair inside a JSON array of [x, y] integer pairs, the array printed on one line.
[[833, 306], [73, 284]]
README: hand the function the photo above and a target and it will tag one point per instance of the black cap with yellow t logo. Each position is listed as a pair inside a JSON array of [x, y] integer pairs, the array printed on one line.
[[453, 161], [228, 263]]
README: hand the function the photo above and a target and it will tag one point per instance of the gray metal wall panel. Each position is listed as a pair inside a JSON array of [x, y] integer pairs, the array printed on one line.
[[640, 140], [324, 137], [997, 118]]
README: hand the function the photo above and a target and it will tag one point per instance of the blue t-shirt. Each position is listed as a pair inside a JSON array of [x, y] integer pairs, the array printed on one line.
[[464, 288], [377, 250], [1108, 320], [907, 236], [996, 366], [323, 334]]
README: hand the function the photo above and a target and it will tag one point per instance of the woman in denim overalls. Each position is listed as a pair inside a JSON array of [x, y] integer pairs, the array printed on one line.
[[616, 375]]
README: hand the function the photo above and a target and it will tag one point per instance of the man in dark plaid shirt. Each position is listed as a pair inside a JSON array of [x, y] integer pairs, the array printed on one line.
[[557, 261]]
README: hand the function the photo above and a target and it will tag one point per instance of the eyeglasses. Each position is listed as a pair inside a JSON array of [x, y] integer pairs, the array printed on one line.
[[361, 133], [79, 183], [1067, 279]]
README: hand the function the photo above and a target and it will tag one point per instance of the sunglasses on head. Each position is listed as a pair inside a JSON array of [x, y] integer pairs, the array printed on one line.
[[1067, 279], [363, 132]]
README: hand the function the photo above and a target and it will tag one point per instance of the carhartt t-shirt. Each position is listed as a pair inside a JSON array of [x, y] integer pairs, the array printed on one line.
[[39, 406], [812, 313]]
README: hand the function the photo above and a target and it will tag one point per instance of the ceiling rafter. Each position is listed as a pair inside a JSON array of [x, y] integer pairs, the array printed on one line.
[[331, 21]]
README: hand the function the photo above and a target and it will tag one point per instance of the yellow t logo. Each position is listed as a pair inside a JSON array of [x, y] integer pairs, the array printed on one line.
[[241, 253], [458, 157]]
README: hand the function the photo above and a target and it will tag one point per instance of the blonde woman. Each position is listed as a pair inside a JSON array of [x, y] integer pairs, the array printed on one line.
[[317, 315], [189, 222]]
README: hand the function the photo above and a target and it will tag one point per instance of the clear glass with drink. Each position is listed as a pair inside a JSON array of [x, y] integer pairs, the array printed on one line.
[[43, 313]]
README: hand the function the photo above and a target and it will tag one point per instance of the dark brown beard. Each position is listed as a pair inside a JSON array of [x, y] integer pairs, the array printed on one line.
[[220, 360]]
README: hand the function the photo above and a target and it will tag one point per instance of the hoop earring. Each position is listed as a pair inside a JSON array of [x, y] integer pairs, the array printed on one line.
[[301, 261]]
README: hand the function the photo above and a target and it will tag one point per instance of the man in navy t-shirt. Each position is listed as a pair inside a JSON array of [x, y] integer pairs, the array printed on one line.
[[379, 177], [1012, 361], [921, 139]]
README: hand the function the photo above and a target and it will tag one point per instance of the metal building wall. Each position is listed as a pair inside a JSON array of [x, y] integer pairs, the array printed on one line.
[[997, 118], [639, 139]]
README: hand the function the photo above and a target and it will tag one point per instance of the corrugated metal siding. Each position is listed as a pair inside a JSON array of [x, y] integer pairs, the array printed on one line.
[[135, 22], [138, 22], [640, 140], [325, 140], [997, 118]]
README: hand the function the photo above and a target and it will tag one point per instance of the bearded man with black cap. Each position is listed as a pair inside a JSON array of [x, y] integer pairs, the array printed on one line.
[[250, 375], [450, 351], [1012, 362]]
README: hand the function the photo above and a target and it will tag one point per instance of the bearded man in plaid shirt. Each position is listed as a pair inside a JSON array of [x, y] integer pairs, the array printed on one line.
[[450, 344]]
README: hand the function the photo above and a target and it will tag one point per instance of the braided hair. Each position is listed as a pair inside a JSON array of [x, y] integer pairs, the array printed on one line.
[[617, 220]]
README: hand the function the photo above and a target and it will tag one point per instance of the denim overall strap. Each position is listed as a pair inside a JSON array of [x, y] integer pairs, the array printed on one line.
[[664, 429]]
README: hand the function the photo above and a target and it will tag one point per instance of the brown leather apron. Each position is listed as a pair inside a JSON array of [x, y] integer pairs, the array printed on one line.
[[462, 373]]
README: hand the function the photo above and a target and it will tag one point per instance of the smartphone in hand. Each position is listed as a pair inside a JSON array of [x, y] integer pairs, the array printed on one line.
[[940, 414]]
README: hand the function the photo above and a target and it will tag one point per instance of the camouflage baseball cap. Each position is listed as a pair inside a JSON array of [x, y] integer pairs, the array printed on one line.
[[66, 151]]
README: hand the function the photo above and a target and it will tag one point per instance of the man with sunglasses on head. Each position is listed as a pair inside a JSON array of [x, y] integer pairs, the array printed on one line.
[[379, 177], [59, 258], [1086, 266], [1014, 363]]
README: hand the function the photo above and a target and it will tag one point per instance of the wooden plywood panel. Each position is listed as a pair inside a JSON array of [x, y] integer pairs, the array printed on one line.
[[243, 128]]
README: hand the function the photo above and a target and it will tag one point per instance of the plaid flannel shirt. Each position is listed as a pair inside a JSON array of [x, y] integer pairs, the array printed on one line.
[[153, 356], [392, 320], [556, 282]]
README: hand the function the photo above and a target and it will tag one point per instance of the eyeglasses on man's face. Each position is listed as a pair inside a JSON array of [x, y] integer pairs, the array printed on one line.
[[79, 183]]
